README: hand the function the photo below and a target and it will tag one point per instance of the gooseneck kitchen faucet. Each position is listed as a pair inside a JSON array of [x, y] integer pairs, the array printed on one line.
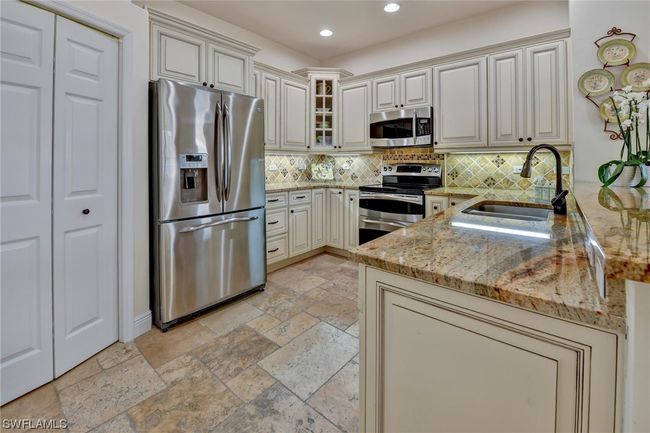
[[559, 201]]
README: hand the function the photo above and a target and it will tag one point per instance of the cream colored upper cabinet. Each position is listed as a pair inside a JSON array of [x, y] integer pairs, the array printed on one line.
[[546, 99], [355, 110], [385, 93], [177, 55], [228, 70], [295, 115], [506, 98], [415, 88], [460, 104], [270, 85]]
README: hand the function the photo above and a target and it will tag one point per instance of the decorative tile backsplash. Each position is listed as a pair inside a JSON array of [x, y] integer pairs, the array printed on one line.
[[476, 170], [495, 170]]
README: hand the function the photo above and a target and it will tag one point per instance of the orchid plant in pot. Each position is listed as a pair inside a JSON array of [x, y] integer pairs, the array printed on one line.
[[630, 109]]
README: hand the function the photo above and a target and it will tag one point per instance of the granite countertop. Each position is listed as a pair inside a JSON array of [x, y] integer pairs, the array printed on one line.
[[618, 220], [281, 187], [551, 273]]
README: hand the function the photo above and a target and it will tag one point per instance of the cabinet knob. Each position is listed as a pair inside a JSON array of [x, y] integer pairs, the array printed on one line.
[[395, 106], [529, 139], [212, 86], [453, 203], [85, 211], [521, 139], [435, 142], [205, 83], [291, 211], [435, 208], [340, 192], [401, 105]]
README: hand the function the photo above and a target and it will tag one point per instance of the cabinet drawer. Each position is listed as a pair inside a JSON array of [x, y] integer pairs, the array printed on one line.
[[300, 197], [277, 248], [276, 221], [276, 200]]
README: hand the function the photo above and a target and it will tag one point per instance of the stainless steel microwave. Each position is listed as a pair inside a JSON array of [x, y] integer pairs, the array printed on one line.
[[400, 128]]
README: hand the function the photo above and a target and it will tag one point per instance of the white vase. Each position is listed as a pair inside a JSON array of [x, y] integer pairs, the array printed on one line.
[[629, 177]]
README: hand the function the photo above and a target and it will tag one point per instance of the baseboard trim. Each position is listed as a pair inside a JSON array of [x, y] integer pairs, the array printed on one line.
[[291, 260], [141, 324]]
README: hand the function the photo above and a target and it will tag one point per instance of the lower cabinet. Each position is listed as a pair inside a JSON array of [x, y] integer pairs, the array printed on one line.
[[335, 217], [299, 229], [277, 248], [318, 218], [351, 219], [437, 360], [434, 205]]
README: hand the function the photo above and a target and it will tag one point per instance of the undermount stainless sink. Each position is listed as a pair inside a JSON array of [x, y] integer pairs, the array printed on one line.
[[520, 211]]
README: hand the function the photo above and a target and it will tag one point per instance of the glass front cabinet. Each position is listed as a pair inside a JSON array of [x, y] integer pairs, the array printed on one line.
[[323, 108]]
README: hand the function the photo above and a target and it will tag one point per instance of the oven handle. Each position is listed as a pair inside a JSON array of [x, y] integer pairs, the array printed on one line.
[[390, 223], [396, 197]]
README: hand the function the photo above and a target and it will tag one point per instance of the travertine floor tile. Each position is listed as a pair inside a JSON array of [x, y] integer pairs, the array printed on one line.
[[159, 347], [225, 319], [353, 329], [304, 284], [310, 359], [279, 411], [263, 323], [117, 353], [183, 367], [284, 275], [98, 398], [233, 353], [118, 424], [250, 383], [290, 329], [347, 290], [333, 309], [40, 403], [189, 405], [338, 399], [86, 369]]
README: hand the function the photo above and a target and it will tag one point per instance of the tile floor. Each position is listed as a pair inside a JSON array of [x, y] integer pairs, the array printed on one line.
[[283, 360]]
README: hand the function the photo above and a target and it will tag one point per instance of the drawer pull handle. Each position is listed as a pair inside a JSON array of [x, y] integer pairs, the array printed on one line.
[[273, 222], [273, 250], [273, 200], [300, 196]]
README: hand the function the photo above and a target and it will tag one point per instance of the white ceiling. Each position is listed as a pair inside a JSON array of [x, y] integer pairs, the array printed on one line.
[[356, 24]]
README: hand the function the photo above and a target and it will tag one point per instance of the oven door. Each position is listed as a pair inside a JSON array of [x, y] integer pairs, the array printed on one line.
[[395, 207], [372, 228]]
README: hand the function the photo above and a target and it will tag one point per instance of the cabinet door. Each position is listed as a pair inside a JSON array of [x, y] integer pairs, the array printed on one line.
[[176, 55], [318, 218], [351, 219], [434, 205], [299, 229], [506, 101], [415, 88], [335, 218], [355, 111], [84, 193], [385, 93], [27, 53], [546, 100], [229, 70], [460, 104], [295, 115], [271, 95]]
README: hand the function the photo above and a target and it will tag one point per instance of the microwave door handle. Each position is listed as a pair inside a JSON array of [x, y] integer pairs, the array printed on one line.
[[227, 174], [217, 150]]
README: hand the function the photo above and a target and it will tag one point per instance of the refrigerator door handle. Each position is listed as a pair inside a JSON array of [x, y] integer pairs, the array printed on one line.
[[217, 146], [226, 134], [217, 223]]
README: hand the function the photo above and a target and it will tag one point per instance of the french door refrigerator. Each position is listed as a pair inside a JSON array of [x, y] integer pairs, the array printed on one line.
[[207, 198]]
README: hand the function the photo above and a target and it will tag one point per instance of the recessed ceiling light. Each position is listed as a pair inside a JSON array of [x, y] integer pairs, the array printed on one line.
[[391, 7], [326, 33]]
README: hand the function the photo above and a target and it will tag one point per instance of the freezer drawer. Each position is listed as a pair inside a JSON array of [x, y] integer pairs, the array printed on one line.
[[204, 261]]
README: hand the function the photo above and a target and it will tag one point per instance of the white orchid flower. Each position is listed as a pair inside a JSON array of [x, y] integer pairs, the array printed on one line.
[[627, 89], [626, 124]]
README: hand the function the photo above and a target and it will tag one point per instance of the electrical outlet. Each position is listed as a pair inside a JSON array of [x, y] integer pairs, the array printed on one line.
[[273, 167], [566, 169], [517, 169], [345, 166]]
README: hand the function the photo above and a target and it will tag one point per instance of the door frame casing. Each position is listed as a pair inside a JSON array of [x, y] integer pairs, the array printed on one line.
[[125, 220]]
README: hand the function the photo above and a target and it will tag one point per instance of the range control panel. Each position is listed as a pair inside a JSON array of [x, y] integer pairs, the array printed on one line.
[[412, 170]]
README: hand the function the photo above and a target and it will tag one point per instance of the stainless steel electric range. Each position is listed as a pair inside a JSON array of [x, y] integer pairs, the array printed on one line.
[[398, 201]]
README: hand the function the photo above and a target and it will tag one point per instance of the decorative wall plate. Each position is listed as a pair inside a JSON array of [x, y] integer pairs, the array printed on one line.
[[636, 75], [608, 113], [616, 52], [596, 82]]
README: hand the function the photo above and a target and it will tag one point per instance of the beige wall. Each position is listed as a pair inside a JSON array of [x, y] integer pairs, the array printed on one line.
[[589, 21], [128, 15], [501, 25], [270, 52]]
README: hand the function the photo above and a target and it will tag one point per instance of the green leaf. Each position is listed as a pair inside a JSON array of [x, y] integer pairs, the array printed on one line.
[[644, 175], [604, 174]]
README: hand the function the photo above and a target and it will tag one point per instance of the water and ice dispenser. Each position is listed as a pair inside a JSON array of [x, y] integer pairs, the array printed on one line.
[[194, 177]]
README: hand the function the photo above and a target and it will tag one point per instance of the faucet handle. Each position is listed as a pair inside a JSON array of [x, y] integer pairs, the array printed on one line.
[[559, 202]]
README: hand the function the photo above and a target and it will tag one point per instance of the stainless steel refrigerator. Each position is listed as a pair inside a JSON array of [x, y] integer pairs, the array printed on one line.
[[207, 198]]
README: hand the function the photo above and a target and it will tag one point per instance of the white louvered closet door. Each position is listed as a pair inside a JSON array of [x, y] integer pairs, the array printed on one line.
[[26, 61], [84, 194]]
